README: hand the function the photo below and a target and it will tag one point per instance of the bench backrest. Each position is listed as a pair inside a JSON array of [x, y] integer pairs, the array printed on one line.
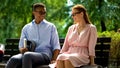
[[102, 49], [11, 48]]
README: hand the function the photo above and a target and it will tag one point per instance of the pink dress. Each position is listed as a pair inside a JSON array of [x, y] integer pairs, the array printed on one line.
[[78, 47]]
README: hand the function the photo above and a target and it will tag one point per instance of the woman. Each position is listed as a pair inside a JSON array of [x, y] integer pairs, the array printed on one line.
[[79, 45]]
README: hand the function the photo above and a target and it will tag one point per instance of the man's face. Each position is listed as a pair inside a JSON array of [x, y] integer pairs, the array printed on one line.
[[39, 13]]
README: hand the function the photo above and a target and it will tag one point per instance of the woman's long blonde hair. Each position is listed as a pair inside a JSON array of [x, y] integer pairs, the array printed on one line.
[[81, 8]]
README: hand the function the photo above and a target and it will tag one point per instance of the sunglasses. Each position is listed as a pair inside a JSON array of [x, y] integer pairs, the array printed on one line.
[[41, 13], [75, 13]]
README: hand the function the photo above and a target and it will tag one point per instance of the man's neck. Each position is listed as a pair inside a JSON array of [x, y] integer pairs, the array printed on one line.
[[38, 21]]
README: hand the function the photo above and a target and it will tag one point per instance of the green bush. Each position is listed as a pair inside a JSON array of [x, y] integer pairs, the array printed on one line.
[[115, 42]]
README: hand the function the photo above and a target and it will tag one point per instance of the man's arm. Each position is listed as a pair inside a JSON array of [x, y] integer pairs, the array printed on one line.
[[55, 54]]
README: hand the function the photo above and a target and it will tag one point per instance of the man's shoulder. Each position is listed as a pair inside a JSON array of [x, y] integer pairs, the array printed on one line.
[[28, 25], [48, 23]]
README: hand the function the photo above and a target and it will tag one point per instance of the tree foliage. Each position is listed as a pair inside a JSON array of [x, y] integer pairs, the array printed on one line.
[[15, 14], [103, 13]]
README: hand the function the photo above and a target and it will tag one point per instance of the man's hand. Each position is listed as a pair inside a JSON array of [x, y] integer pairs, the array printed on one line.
[[52, 61], [23, 50], [55, 54]]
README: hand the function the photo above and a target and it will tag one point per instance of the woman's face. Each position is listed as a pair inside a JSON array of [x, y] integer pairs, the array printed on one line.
[[76, 15]]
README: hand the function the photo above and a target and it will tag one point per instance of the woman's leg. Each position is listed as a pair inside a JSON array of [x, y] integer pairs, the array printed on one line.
[[60, 64], [68, 64]]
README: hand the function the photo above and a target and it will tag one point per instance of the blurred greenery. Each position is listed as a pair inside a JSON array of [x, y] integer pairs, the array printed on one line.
[[115, 42], [14, 14]]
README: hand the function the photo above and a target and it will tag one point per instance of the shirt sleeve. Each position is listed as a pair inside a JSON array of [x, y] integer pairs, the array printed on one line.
[[23, 35], [92, 40], [54, 39]]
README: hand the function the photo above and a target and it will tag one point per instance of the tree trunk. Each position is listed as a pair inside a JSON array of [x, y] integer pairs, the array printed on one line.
[[103, 26]]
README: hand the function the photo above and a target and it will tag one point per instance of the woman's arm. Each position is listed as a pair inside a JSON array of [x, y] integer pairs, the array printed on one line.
[[92, 60], [92, 44]]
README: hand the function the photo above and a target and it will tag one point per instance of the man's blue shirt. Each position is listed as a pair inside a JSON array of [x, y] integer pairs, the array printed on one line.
[[44, 35]]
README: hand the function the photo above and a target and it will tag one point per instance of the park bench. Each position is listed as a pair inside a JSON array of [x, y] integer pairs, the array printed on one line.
[[102, 50]]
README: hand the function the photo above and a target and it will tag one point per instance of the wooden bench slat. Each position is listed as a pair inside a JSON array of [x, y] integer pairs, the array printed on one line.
[[104, 39], [102, 61], [61, 40], [100, 54], [102, 47], [11, 53], [11, 47], [12, 40]]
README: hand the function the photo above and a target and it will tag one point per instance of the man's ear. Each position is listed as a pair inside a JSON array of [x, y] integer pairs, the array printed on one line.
[[33, 12]]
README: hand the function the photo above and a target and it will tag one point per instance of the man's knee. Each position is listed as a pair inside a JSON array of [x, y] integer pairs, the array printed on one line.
[[13, 62], [27, 54], [13, 59]]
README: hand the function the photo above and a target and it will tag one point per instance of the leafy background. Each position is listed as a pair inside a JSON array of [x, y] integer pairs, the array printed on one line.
[[14, 14]]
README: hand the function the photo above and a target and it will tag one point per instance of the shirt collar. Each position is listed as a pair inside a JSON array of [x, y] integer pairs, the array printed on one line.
[[42, 22]]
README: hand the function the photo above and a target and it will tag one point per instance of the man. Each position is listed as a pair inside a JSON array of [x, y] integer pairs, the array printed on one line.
[[45, 36]]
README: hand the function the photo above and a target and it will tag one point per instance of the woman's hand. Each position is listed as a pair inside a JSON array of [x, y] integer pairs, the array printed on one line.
[[92, 61], [92, 64]]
